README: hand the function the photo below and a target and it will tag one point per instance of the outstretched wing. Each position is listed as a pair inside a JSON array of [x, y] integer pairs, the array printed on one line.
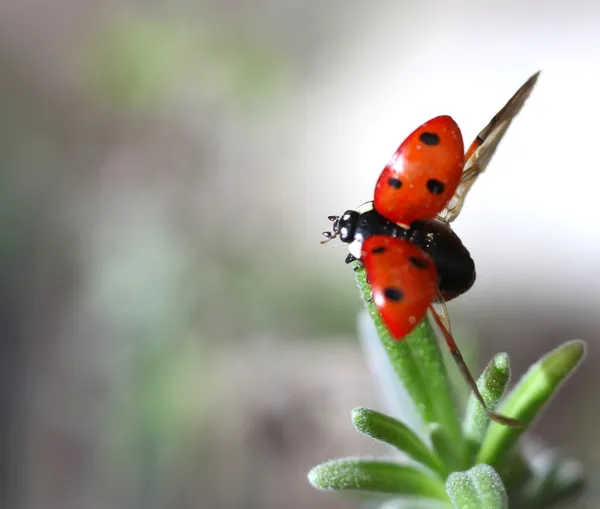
[[483, 147]]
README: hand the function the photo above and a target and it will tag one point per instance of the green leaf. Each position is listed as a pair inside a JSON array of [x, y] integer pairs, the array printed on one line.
[[398, 435], [491, 384], [442, 445], [397, 400], [376, 477], [529, 397], [419, 365], [478, 488]]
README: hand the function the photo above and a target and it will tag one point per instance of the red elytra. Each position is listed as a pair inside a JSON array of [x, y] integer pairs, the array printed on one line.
[[403, 281], [423, 173]]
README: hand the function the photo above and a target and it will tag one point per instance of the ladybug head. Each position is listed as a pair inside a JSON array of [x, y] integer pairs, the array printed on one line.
[[343, 226]]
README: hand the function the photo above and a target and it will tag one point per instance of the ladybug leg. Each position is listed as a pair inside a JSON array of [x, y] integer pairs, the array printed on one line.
[[358, 266], [350, 258]]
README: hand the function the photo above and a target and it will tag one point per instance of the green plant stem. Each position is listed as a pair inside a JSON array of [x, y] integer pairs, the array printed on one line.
[[419, 365]]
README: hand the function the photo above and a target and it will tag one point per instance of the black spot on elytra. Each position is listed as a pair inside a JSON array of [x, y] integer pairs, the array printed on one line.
[[395, 183], [435, 186], [393, 294], [428, 138], [378, 250], [419, 263]]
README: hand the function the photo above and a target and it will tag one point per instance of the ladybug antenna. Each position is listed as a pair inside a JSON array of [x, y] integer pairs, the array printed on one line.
[[464, 369], [328, 236], [332, 234]]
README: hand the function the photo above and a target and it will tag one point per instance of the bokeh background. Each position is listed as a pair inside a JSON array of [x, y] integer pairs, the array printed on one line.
[[172, 333]]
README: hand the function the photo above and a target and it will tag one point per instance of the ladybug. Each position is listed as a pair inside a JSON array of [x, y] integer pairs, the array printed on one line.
[[403, 238]]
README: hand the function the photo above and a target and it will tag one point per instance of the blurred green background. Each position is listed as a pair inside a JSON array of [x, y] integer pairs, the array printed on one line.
[[173, 335]]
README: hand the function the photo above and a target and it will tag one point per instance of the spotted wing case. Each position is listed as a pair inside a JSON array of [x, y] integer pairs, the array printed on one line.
[[403, 280], [423, 173]]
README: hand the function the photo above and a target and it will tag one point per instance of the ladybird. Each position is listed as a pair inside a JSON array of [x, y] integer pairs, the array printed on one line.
[[403, 238]]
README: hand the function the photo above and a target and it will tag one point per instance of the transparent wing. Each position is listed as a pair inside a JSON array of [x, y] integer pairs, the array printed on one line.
[[483, 147], [439, 305]]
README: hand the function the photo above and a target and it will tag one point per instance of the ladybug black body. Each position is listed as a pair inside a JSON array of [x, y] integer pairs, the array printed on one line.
[[455, 267]]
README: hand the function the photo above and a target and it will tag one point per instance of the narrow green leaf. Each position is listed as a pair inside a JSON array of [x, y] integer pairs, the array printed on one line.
[[491, 384], [444, 448], [419, 365], [376, 477], [529, 397], [398, 402], [478, 488], [398, 435]]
